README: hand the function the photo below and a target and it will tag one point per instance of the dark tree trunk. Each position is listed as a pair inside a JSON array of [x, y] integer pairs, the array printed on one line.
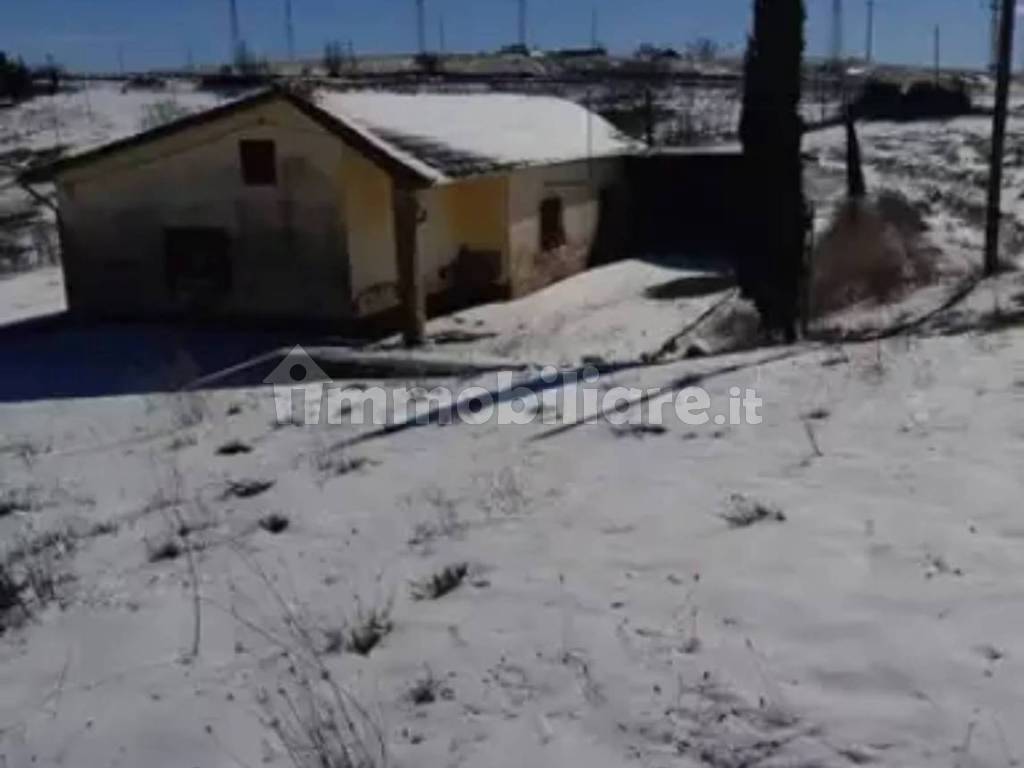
[[771, 130], [856, 187]]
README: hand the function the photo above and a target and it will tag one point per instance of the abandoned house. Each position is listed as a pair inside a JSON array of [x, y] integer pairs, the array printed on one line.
[[356, 208]]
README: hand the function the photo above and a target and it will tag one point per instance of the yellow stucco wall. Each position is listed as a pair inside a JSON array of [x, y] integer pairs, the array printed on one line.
[[469, 215], [289, 242], [579, 185], [366, 195]]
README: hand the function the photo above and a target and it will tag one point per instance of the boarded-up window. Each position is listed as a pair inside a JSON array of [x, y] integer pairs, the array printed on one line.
[[552, 224], [198, 264], [259, 162]]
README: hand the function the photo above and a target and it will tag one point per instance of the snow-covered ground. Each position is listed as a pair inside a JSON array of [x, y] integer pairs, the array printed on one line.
[[92, 113], [610, 615], [614, 610], [612, 313], [940, 166], [35, 294]]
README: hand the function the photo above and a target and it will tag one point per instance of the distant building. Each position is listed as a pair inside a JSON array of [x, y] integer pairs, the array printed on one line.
[[515, 49], [357, 209], [598, 52], [647, 52]]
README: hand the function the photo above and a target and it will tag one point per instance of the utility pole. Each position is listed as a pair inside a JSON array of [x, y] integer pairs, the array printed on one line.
[[593, 28], [837, 33], [421, 26], [441, 35], [937, 49], [236, 34], [289, 29], [994, 36], [995, 179], [870, 44], [522, 23]]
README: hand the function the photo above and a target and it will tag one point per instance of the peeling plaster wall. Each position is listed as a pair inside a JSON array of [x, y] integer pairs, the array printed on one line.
[[579, 186], [465, 217], [288, 243]]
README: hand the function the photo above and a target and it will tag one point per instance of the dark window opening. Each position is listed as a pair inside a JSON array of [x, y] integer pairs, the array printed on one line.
[[198, 264], [259, 162], [552, 224]]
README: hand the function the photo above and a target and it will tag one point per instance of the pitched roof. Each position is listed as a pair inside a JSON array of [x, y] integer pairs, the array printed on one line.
[[420, 138], [448, 136]]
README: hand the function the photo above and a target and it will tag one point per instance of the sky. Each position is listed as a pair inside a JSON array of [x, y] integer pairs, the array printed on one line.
[[92, 34]]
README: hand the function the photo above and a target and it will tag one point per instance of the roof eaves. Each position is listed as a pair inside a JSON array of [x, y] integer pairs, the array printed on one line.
[[48, 171], [399, 165], [403, 168]]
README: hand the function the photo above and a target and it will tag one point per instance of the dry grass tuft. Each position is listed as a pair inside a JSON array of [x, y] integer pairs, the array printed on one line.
[[368, 629], [32, 576], [874, 250], [164, 550], [428, 689], [320, 725], [246, 489], [744, 512], [275, 523], [11, 601], [316, 720], [234, 448], [441, 583], [15, 501]]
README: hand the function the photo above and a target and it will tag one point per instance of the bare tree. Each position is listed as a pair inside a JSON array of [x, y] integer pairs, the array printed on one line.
[[703, 49]]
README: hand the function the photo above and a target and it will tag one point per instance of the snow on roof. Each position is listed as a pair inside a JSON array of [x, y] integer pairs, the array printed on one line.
[[453, 135], [434, 137]]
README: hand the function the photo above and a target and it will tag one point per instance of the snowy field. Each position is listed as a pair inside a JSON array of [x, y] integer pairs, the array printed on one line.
[[940, 166], [91, 114], [610, 614], [837, 586]]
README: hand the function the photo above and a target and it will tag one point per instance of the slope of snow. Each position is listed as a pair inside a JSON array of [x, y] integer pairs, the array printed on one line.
[[92, 115], [611, 617], [942, 167], [608, 313], [36, 294]]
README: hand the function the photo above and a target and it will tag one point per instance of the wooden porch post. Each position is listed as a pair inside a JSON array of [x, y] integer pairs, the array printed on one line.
[[413, 301]]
